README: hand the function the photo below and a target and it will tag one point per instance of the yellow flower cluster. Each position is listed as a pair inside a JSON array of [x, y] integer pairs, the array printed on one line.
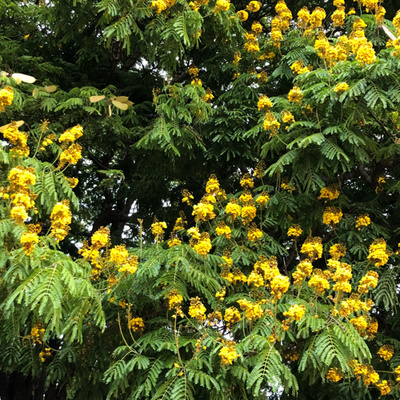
[[228, 353], [378, 253], [262, 199], [60, 218], [30, 238], [6, 97], [312, 248], [298, 67], [303, 17], [37, 333], [332, 215], [208, 96], [342, 276], [341, 87], [334, 374], [296, 312], [253, 6], [288, 118], [279, 285], [212, 186], [295, 231], [193, 71], [203, 211], [366, 371], [251, 45], [174, 299], [252, 310], [255, 279], [360, 324], [363, 220], [44, 354], [100, 238], [18, 139], [397, 372], [71, 135], [254, 233], [157, 229], [119, 255], [386, 352], [295, 95], [222, 5], [271, 124], [174, 241], [264, 103], [22, 197], [256, 27], [130, 265], [339, 14], [161, 5], [136, 324], [197, 309], [303, 269], [370, 5], [71, 155], [319, 281], [187, 197], [337, 251], [72, 182], [243, 16], [329, 193], [370, 280], [223, 229], [280, 22], [202, 245], [354, 304], [232, 316], [248, 212]]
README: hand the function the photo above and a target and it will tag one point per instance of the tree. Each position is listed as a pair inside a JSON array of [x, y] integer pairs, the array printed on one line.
[[280, 275]]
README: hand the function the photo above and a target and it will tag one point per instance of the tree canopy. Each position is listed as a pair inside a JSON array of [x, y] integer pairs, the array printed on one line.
[[199, 200]]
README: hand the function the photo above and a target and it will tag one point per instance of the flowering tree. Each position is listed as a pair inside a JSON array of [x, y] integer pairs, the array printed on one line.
[[276, 277]]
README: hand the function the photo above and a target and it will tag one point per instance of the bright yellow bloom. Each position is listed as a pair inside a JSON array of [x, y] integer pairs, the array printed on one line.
[[295, 312], [363, 220], [223, 229], [319, 282], [359, 323], [71, 155], [255, 279], [341, 87], [243, 15], [334, 375], [193, 71], [228, 354], [253, 6], [294, 231], [60, 218], [303, 269], [212, 186], [203, 211], [254, 233], [232, 316], [6, 97], [329, 193], [197, 309], [186, 197], [136, 324], [30, 238], [295, 95], [100, 238], [233, 209], [332, 216], [370, 280], [252, 310], [174, 299], [264, 103], [312, 248], [222, 5], [71, 135], [378, 253], [386, 352], [262, 199], [130, 265], [203, 245], [119, 254]]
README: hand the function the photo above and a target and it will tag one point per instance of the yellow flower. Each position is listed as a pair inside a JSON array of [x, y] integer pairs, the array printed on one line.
[[228, 354], [295, 95], [119, 254], [222, 5], [232, 316], [71, 155], [334, 375], [253, 6], [329, 193], [303, 269], [223, 229], [279, 285], [370, 280], [197, 309], [256, 27], [157, 229], [295, 231], [174, 299], [243, 15], [203, 211], [193, 71], [60, 219], [203, 245], [378, 253], [130, 265], [6, 97], [319, 282], [363, 220], [341, 87], [71, 135], [232, 209], [312, 248], [186, 197], [254, 233], [295, 312], [100, 238], [332, 216], [136, 324], [252, 310], [386, 352], [262, 199], [359, 323], [247, 181], [30, 238]]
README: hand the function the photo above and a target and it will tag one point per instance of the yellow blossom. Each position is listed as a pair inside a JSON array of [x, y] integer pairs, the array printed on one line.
[[295, 312], [370, 280], [294, 231], [197, 309], [341, 87], [363, 220], [378, 253], [6, 97], [334, 375], [329, 193], [71, 135], [223, 229], [228, 354], [232, 316], [332, 216], [243, 15], [119, 254], [60, 219], [136, 324], [253, 6], [386, 352], [295, 95]]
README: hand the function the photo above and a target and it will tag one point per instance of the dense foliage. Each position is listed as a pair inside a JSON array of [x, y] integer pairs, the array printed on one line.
[[199, 200]]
